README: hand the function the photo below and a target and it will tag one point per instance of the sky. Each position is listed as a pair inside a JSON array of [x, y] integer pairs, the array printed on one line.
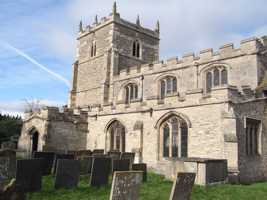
[[38, 38]]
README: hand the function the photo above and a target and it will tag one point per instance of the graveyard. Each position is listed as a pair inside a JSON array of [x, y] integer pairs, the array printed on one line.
[[157, 188], [86, 175]]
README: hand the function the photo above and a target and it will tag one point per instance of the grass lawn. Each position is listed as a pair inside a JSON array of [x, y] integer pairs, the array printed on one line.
[[156, 188]]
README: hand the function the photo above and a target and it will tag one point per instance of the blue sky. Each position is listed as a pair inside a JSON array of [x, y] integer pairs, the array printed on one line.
[[46, 31]]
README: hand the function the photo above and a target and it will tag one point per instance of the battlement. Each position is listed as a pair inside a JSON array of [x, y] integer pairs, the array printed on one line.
[[227, 51], [114, 17], [58, 114]]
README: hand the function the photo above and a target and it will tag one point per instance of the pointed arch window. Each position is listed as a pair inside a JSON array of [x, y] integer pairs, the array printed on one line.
[[216, 77], [136, 49], [131, 92], [174, 138], [117, 136], [168, 86]]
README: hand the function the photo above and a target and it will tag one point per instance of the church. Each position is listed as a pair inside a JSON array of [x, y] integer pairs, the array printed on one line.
[[206, 105]]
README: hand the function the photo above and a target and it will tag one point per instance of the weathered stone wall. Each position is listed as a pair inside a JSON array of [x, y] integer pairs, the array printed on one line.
[[57, 131], [252, 168]]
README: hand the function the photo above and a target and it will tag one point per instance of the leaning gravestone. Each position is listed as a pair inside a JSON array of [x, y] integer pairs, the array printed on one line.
[[100, 171], [48, 159], [128, 155], [126, 185], [29, 175], [85, 165], [120, 165], [67, 174], [61, 156], [141, 167], [182, 186], [7, 164]]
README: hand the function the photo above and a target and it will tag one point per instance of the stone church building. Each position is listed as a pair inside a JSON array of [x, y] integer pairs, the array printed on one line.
[[209, 105]]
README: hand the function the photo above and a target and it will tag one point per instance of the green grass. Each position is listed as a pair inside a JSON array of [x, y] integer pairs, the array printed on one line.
[[157, 188]]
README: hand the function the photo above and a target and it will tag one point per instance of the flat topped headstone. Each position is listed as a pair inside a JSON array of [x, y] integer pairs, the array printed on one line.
[[29, 175], [85, 165], [7, 164], [126, 185], [61, 156], [141, 167], [120, 165], [182, 186], [128, 155], [67, 173], [48, 159], [100, 171]]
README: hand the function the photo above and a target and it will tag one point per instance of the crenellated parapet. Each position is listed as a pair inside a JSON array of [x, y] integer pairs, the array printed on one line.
[[248, 46], [56, 114]]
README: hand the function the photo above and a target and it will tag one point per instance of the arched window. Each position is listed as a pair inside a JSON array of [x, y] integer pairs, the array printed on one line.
[[216, 77], [117, 136], [93, 49], [136, 49], [174, 137], [168, 86], [131, 92]]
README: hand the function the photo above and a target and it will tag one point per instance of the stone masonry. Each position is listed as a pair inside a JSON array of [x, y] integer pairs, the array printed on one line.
[[215, 118]]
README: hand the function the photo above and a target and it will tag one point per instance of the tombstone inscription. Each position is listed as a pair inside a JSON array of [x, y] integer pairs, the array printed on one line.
[[182, 186], [7, 164], [67, 173], [141, 167], [126, 185], [100, 171], [29, 175], [48, 159]]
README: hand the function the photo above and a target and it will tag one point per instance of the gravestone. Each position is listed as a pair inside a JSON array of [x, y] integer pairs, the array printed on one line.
[[80, 154], [182, 186], [120, 165], [126, 185], [7, 164], [67, 173], [141, 167], [128, 155], [100, 171], [85, 165], [48, 159], [29, 175], [61, 156], [12, 192], [114, 154], [97, 152]]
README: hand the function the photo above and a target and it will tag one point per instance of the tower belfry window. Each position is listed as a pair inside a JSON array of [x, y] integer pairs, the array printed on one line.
[[136, 49]]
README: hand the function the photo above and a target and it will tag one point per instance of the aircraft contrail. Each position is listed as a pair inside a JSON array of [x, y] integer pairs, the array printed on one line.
[[33, 61]]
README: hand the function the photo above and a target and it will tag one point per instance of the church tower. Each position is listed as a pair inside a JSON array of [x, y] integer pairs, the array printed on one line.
[[104, 49]]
